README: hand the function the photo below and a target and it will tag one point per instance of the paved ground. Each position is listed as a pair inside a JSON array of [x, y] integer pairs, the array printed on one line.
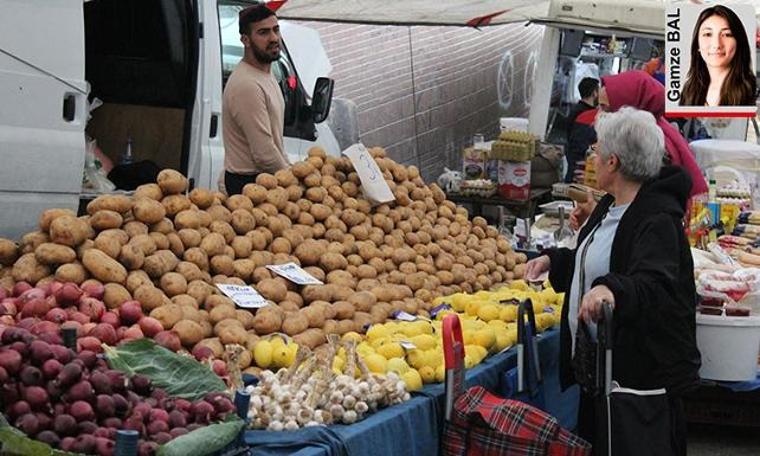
[[723, 441]]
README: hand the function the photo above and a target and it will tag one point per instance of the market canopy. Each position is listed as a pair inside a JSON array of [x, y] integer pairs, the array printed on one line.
[[634, 15]]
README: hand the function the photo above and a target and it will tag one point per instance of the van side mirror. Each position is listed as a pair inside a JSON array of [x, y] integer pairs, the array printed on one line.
[[322, 99]]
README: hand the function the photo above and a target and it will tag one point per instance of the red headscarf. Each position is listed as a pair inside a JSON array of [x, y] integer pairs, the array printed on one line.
[[639, 90]]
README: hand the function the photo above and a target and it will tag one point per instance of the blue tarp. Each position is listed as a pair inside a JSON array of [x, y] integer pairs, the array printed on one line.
[[413, 428]]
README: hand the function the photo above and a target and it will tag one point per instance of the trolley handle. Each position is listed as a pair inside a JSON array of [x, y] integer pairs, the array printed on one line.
[[452, 337]]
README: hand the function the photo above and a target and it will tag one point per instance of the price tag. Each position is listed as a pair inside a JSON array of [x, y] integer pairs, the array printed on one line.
[[404, 316], [243, 295], [294, 273], [373, 183], [406, 345], [438, 309]]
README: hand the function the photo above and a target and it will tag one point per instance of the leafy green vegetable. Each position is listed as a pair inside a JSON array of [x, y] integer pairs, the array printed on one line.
[[15, 443], [202, 441], [181, 376]]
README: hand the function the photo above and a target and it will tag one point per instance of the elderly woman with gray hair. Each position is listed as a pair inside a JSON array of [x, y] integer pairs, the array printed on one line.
[[632, 253]]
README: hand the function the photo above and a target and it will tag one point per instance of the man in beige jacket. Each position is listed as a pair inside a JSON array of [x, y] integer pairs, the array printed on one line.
[[253, 111]]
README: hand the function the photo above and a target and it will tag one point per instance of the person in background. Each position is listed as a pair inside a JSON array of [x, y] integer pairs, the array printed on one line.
[[721, 66], [253, 110], [639, 90], [581, 134], [633, 254]]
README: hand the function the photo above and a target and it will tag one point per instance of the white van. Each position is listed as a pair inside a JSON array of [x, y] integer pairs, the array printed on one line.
[[159, 67]]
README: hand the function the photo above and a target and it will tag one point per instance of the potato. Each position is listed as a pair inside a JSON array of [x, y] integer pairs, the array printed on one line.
[[171, 182], [201, 197], [109, 243], [267, 320], [49, 215], [50, 253], [116, 203], [314, 316], [320, 212], [226, 323], [150, 297], [188, 301], [28, 269], [190, 271], [105, 220], [115, 295], [313, 180], [343, 310], [189, 332], [131, 257], [168, 315], [222, 264], [245, 317], [215, 300], [243, 269], [151, 191], [103, 267], [148, 211], [233, 335], [162, 242], [312, 293], [72, 272], [213, 244], [362, 301], [219, 213], [266, 180], [137, 278], [272, 289], [68, 230], [310, 252], [295, 323], [160, 263], [213, 343], [311, 338], [222, 312], [198, 257], [242, 221], [173, 284], [174, 204], [145, 243], [189, 237]]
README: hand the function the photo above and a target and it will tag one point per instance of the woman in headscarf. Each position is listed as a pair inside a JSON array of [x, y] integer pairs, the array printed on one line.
[[639, 90]]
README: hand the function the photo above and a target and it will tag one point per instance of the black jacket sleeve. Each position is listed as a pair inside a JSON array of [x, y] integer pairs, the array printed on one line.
[[651, 277], [561, 269]]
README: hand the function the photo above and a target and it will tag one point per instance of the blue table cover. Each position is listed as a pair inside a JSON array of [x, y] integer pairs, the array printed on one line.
[[413, 428]]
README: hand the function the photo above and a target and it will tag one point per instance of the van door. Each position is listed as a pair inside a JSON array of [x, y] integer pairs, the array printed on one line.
[[43, 114], [206, 160]]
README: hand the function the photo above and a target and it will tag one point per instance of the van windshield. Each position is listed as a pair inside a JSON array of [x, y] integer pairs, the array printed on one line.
[[232, 48]]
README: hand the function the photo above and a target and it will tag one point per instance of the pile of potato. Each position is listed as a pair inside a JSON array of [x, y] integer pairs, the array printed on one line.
[[167, 248]]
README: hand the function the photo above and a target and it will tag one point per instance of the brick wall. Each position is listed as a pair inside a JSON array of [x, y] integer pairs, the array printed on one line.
[[422, 92]]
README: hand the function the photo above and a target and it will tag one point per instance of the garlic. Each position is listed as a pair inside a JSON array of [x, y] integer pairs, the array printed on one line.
[[336, 411], [361, 407], [336, 397], [349, 417], [291, 426], [311, 424], [349, 402], [276, 426]]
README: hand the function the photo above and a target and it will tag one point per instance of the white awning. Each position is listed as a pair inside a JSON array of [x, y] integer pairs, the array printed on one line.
[[646, 16]]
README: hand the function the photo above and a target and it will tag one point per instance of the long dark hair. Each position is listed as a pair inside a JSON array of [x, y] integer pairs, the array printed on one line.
[[739, 87]]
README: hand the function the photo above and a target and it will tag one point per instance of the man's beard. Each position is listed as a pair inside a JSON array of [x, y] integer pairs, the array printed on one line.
[[264, 56]]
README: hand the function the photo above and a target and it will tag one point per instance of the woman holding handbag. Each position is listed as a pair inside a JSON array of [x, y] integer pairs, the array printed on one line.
[[632, 254]]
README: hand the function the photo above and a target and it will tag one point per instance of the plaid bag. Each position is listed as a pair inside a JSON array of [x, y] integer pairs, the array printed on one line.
[[483, 424]]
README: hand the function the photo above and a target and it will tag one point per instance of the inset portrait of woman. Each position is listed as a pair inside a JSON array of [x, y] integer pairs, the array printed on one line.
[[721, 62]]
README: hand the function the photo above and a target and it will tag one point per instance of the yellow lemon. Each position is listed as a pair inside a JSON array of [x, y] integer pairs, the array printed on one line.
[[459, 301], [412, 379], [485, 337], [338, 364], [439, 316], [468, 336], [280, 356], [472, 307], [397, 365], [427, 373], [469, 362], [424, 341], [376, 363], [377, 332], [416, 358], [488, 312], [433, 357], [262, 353], [376, 343], [423, 327], [476, 352], [277, 341], [519, 285], [391, 350], [351, 335], [497, 324], [508, 313], [440, 373], [292, 351]]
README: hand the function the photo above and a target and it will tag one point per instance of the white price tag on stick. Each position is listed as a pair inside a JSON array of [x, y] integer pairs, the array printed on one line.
[[373, 183], [294, 273], [243, 295]]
